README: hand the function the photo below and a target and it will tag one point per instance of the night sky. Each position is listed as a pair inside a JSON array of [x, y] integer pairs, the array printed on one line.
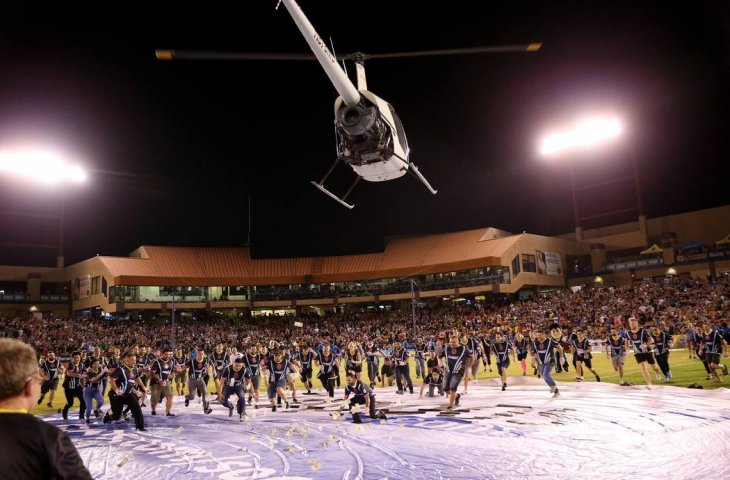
[[175, 149]]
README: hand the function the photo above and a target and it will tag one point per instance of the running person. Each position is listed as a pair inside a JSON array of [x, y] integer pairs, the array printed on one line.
[[420, 357], [253, 361], [50, 368], [641, 342], [617, 347], [372, 355], [235, 379], [582, 355], [326, 361], [456, 360], [123, 392], [353, 360], [279, 368], [402, 370], [306, 359], [73, 385], [522, 348], [162, 372], [198, 374], [93, 390], [662, 343], [501, 349], [712, 346], [544, 349], [219, 360], [180, 361]]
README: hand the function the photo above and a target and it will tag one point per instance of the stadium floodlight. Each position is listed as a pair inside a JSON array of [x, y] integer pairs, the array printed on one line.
[[585, 133], [40, 165]]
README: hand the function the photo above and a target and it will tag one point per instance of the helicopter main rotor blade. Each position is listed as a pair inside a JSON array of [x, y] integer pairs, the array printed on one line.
[[532, 47], [198, 55], [162, 54]]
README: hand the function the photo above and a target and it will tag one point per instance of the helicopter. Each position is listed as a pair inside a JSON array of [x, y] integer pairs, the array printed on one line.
[[370, 136]]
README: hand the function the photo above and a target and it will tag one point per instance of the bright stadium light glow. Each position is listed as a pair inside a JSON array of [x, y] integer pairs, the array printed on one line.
[[585, 133], [41, 166]]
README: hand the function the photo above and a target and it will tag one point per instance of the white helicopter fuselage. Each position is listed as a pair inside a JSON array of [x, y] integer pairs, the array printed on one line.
[[393, 165]]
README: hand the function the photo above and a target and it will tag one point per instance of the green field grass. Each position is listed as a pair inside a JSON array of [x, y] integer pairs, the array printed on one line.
[[684, 373]]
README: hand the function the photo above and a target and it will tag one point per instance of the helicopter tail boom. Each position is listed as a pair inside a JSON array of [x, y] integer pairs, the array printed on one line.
[[337, 76]]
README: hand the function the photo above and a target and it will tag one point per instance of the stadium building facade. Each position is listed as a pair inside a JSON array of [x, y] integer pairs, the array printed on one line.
[[462, 266]]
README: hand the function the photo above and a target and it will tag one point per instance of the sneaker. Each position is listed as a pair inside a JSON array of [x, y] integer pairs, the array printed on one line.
[[666, 378], [255, 406], [169, 414], [97, 412], [242, 416], [187, 402], [648, 387], [64, 414], [399, 392], [708, 377], [598, 378], [40, 400], [286, 405], [88, 421], [107, 418], [724, 369], [578, 379], [249, 399], [504, 387], [556, 394], [273, 408], [669, 375], [49, 405], [381, 415], [141, 429], [207, 410], [230, 411], [458, 397], [658, 376], [143, 405]]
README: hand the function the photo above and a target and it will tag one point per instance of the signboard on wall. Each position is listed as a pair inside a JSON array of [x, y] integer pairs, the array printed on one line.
[[548, 263], [82, 287]]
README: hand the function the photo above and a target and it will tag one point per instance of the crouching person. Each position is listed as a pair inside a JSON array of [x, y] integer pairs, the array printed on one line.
[[434, 382], [361, 396]]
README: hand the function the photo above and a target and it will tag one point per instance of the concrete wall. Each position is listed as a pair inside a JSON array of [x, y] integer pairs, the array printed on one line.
[[707, 226]]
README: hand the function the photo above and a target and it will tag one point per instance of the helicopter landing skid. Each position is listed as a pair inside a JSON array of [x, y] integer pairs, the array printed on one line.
[[341, 200], [413, 170]]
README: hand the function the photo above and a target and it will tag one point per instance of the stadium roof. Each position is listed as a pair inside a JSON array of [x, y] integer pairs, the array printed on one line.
[[154, 265]]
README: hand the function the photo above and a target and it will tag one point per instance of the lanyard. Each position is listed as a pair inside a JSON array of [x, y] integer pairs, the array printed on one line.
[[13, 410]]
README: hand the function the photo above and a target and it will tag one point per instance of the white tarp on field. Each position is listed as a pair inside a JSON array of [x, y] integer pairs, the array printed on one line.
[[593, 430]]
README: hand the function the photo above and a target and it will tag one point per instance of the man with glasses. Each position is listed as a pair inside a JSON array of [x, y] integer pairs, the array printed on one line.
[[30, 447]]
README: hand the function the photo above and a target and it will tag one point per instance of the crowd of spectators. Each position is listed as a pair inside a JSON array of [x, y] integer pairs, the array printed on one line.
[[672, 305]]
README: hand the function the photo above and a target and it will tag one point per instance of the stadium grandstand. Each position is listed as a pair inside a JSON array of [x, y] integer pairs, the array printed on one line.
[[469, 266]]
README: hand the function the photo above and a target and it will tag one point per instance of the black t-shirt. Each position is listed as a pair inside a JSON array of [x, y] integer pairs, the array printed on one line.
[[31, 448]]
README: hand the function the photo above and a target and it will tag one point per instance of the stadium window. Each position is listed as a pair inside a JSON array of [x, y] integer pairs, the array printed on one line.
[[528, 263], [516, 266]]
